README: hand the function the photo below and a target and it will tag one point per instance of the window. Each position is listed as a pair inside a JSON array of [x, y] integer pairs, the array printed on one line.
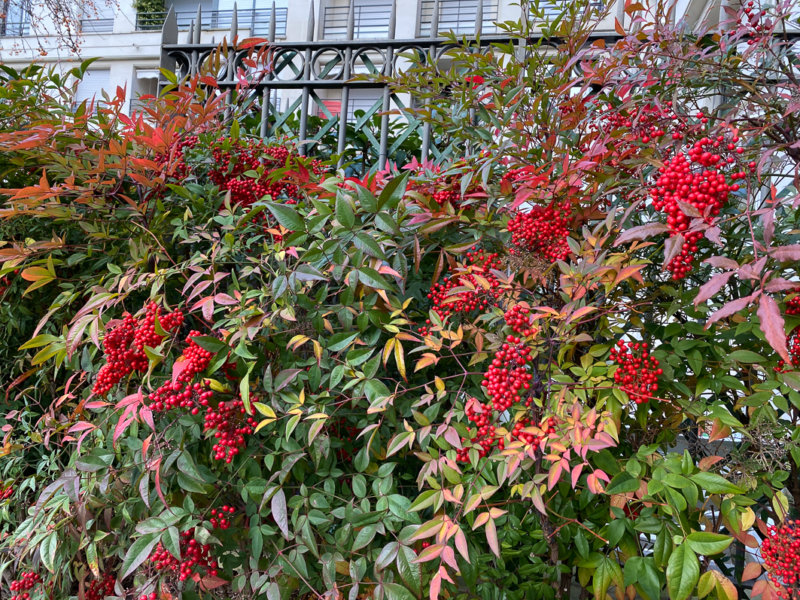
[[458, 16], [16, 21], [98, 18], [371, 19]]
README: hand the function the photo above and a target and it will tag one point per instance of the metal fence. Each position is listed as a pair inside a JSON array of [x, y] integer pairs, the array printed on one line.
[[314, 78], [14, 28]]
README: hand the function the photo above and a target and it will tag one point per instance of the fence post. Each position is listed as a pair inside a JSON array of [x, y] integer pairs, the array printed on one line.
[[307, 77], [388, 70], [426, 128], [266, 93], [169, 35], [346, 74]]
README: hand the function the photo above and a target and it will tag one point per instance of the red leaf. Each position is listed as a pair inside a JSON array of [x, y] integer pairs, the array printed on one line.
[[712, 286], [779, 284], [672, 247], [641, 232], [436, 586], [731, 308], [751, 571], [773, 326]]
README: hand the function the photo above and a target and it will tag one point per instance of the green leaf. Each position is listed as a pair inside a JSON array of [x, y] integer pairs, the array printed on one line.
[[410, 571], [373, 279], [746, 356], [367, 244], [172, 541], [340, 341], [715, 484], [683, 571], [386, 556], [608, 571], [138, 553], [48, 551], [212, 344], [364, 537], [40, 340], [707, 543], [286, 216], [395, 591], [344, 212]]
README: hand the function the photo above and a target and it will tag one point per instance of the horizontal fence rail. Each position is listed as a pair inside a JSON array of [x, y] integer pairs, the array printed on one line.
[[256, 20]]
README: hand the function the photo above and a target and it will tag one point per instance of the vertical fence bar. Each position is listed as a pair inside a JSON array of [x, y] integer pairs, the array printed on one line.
[[388, 70], [346, 74], [434, 33], [266, 95], [306, 88], [479, 19]]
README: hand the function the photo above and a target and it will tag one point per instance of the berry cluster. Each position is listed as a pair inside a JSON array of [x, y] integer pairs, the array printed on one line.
[[182, 393], [124, 345], [195, 556], [697, 179], [230, 424], [638, 371], [508, 374], [220, 517], [793, 338], [781, 553], [543, 230], [22, 586], [250, 169], [650, 122], [98, 589], [755, 22], [150, 596], [447, 302]]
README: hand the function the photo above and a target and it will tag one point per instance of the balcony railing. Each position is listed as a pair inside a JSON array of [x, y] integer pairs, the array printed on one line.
[[369, 21], [458, 16], [97, 25], [14, 28], [257, 20], [553, 8]]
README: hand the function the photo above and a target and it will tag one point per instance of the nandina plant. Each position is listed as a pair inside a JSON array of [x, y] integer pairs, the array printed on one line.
[[566, 360]]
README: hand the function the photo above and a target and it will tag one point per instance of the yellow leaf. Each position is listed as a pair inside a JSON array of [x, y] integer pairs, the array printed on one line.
[[264, 423], [297, 341], [316, 416], [439, 383], [265, 409], [427, 360], [400, 359], [387, 350]]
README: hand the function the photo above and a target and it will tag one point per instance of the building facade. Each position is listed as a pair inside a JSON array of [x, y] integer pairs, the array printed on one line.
[[127, 43]]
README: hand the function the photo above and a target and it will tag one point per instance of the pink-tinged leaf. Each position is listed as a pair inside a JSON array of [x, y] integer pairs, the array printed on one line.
[[713, 234], [773, 326], [280, 512], [146, 445], [538, 501], [672, 247], [461, 545], [786, 253], [225, 300], [769, 226], [81, 426], [144, 488], [576, 474], [132, 399], [689, 209], [449, 558], [177, 368], [594, 485], [491, 538], [210, 582], [435, 588], [554, 475], [430, 553], [126, 419], [751, 571], [452, 437], [480, 520], [731, 308], [712, 286], [641, 232], [779, 284], [721, 262], [95, 404], [147, 416], [601, 475]]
